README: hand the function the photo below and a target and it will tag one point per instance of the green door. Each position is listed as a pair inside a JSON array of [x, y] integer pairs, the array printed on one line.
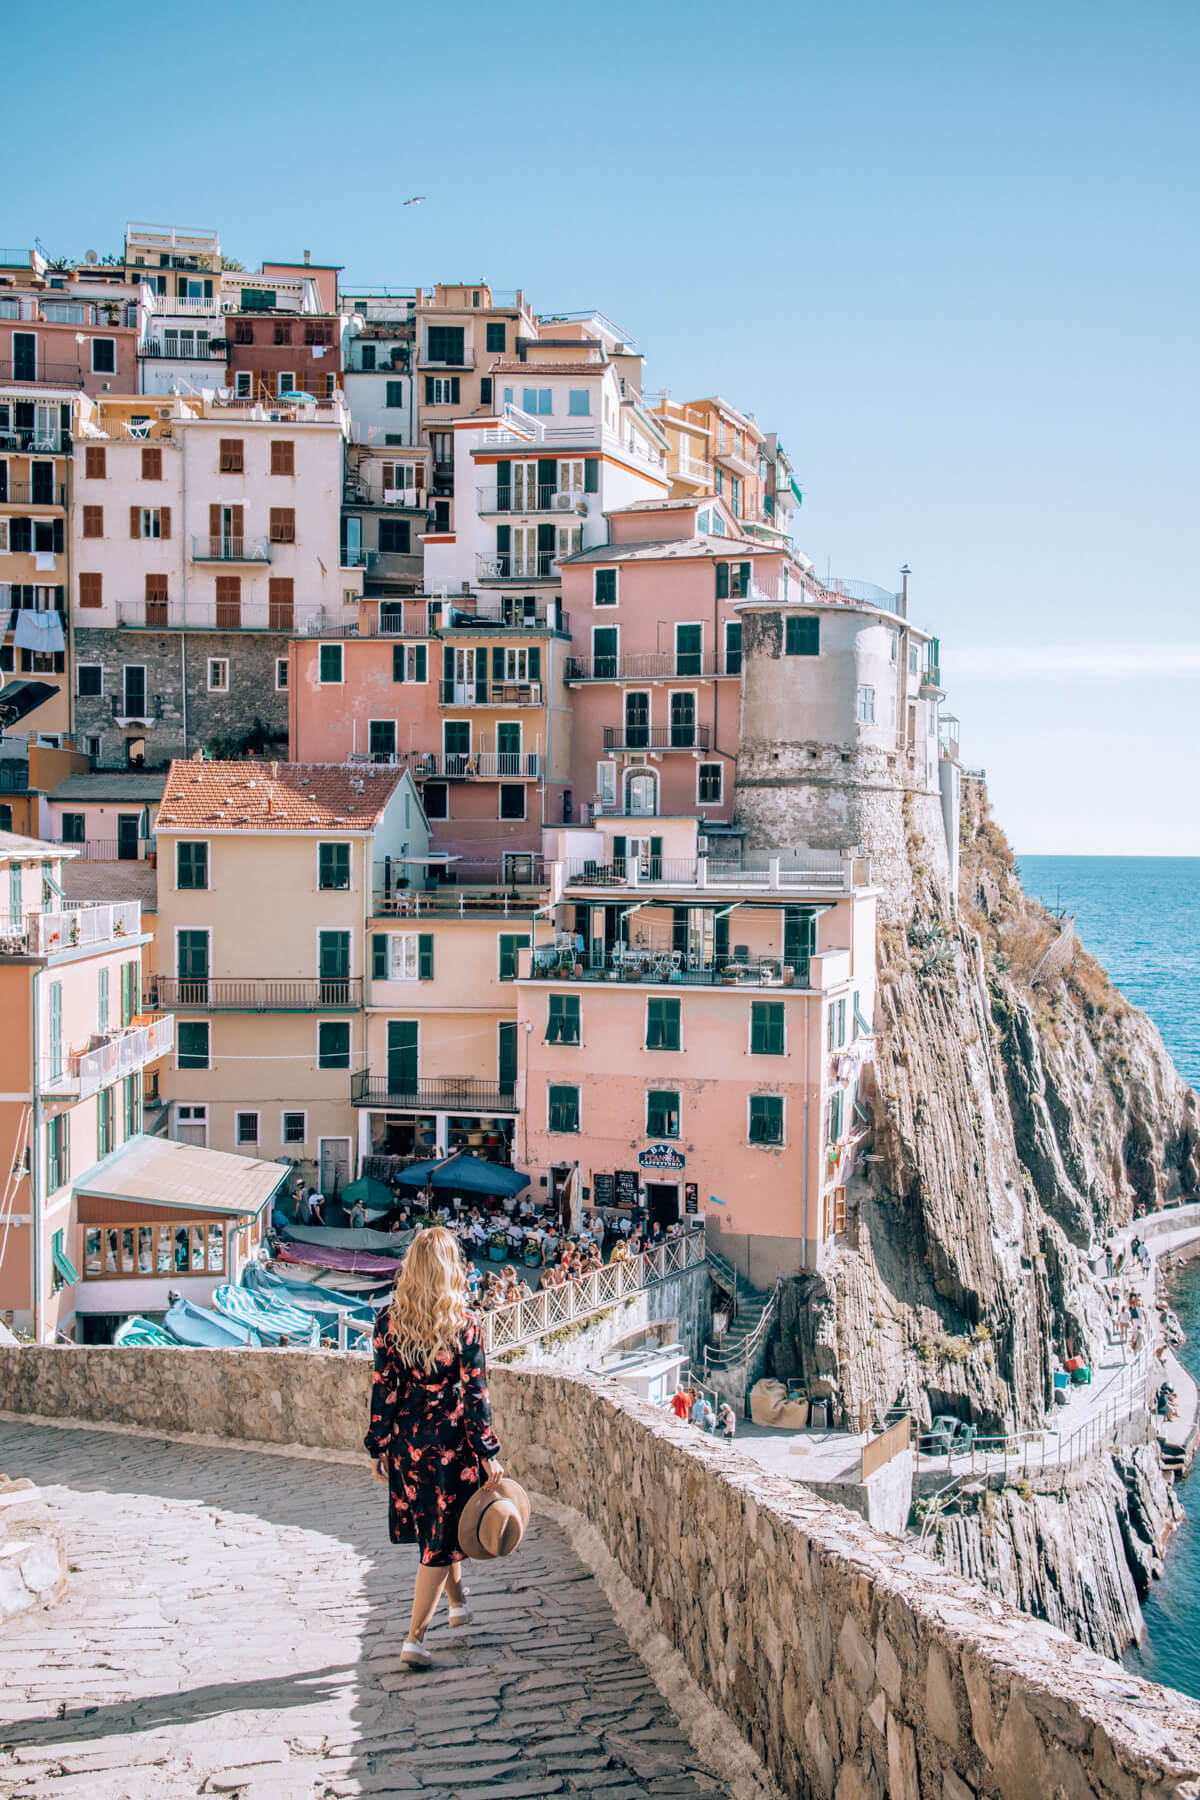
[[334, 968], [456, 745], [127, 836], [508, 1056], [403, 1037], [604, 652], [191, 967], [799, 940], [688, 649], [508, 748]]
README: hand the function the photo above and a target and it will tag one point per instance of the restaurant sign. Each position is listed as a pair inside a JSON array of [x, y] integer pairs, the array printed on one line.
[[660, 1156]]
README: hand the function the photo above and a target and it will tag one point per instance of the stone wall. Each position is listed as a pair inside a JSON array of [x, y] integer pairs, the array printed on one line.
[[176, 662], [854, 1667]]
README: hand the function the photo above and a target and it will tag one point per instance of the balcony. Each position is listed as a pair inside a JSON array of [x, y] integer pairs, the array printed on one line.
[[391, 565], [658, 966], [14, 776], [211, 351], [488, 765], [231, 549], [511, 565], [652, 666], [742, 462], [23, 493], [449, 1093], [527, 501], [220, 994], [51, 442], [203, 615], [465, 361], [822, 871], [105, 849], [656, 737], [490, 693], [43, 374], [681, 468], [369, 493], [110, 1058], [72, 928]]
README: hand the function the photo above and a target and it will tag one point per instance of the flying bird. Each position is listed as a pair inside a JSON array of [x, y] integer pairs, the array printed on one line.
[[415, 201]]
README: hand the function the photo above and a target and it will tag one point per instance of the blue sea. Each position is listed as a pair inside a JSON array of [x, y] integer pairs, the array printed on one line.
[[1140, 917]]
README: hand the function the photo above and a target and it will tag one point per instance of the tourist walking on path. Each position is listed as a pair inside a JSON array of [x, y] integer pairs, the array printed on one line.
[[430, 1435]]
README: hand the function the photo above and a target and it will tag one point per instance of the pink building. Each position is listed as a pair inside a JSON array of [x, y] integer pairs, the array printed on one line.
[[656, 658], [695, 1035]]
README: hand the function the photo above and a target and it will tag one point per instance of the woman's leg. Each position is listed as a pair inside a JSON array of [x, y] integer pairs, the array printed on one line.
[[454, 1586], [430, 1582]]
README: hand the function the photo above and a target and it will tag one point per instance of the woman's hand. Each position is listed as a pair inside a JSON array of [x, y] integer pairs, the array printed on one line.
[[493, 1472], [379, 1465]]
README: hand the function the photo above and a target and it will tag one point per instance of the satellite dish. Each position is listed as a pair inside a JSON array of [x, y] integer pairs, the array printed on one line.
[[91, 258]]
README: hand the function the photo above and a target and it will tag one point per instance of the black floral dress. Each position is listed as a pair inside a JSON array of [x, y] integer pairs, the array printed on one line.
[[433, 1427]]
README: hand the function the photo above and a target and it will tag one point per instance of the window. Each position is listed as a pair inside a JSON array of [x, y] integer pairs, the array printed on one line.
[[604, 591], [445, 344], [191, 1041], [330, 666], [689, 649], [72, 828], [396, 535], [281, 673], [294, 1128], [537, 400], [733, 580], [93, 521], [191, 865], [95, 462], [495, 339], [151, 463], [162, 1248], [766, 1119], [606, 783], [285, 381], [866, 705], [440, 390], [333, 865], [91, 591], [562, 1022], [733, 647], [394, 394], [512, 801], [485, 390], [766, 1028], [333, 1044], [191, 1125], [802, 636], [63, 1272], [562, 1108], [283, 458], [579, 402], [662, 1113], [58, 1151], [104, 1122], [510, 943], [134, 697], [243, 381], [381, 740], [247, 1128], [102, 1001], [218, 675], [410, 662], [402, 956], [436, 800], [834, 1125], [89, 680], [283, 525], [131, 977], [662, 1023], [232, 458], [149, 521], [132, 1086], [836, 1025], [710, 781], [104, 356]]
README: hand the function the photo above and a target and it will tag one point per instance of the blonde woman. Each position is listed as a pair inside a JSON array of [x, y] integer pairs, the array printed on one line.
[[430, 1436]]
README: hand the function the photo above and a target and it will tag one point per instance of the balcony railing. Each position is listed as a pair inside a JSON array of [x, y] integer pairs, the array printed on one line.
[[649, 666], [106, 849], [47, 374], [659, 966], [24, 493], [118, 1054], [231, 549], [817, 869], [50, 442], [450, 1093], [14, 776], [390, 564], [740, 459], [490, 693], [488, 765], [72, 928], [209, 351], [465, 361], [656, 737], [681, 468], [515, 882], [363, 493], [512, 565], [204, 615], [511, 499], [221, 994]]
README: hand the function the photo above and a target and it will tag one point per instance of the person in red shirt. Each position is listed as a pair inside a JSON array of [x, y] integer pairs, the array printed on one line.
[[681, 1403]]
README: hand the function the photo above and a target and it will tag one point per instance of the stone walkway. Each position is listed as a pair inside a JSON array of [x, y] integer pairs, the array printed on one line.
[[233, 1625]]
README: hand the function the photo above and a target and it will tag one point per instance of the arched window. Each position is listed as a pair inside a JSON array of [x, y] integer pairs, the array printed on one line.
[[641, 792]]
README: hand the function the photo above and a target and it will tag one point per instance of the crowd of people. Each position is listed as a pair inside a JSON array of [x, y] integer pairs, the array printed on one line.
[[693, 1408]]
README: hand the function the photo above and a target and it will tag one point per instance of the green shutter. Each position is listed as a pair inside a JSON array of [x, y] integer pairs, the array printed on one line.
[[545, 540], [591, 475], [503, 539], [618, 852], [497, 662], [535, 663], [420, 663], [722, 581], [547, 473], [398, 662], [425, 956], [379, 956], [744, 578]]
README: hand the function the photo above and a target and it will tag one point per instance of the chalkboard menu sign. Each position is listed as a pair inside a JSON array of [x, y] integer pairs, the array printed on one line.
[[691, 1197], [627, 1187], [602, 1186]]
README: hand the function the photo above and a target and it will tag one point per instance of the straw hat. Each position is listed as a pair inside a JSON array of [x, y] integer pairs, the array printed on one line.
[[494, 1521]]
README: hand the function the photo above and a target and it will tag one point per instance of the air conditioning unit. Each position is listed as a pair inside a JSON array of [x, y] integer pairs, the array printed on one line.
[[563, 502], [701, 846]]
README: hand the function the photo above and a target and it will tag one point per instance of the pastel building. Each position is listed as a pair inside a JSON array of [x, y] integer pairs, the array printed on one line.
[[58, 331], [38, 421], [105, 815], [266, 882], [283, 332], [469, 693], [694, 1034]]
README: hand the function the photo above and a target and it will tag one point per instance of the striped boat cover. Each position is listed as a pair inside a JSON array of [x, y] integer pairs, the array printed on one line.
[[274, 1320], [349, 1262], [137, 1330]]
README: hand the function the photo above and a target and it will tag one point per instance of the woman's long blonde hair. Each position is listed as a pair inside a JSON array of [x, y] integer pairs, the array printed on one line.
[[430, 1302]]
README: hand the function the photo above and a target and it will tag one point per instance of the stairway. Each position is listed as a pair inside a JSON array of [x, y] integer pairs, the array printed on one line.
[[734, 1366]]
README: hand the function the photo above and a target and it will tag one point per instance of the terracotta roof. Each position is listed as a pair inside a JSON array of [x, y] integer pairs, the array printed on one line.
[[507, 365], [263, 796]]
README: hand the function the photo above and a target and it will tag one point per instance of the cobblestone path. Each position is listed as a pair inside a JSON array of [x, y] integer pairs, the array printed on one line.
[[233, 1624]]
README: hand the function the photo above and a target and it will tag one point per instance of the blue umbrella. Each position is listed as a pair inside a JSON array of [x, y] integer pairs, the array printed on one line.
[[463, 1174]]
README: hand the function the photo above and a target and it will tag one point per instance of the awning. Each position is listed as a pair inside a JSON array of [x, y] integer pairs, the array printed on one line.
[[160, 1174], [20, 697]]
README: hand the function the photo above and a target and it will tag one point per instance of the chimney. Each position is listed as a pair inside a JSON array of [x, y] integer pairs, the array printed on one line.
[[904, 575], [307, 258]]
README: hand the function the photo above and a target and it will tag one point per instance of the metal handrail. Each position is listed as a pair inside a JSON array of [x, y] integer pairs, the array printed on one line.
[[740, 1357], [523, 1321]]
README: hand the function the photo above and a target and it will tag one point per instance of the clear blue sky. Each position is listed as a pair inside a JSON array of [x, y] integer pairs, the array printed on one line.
[[948, 251]]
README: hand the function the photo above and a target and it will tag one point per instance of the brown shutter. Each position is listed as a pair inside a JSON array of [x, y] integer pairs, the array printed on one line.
[[94, 462], [164, 518], [229, 602], [232, 461], [151, 464], [389, 475], [214, 521], [280, 602], [282, 456], [135, 521], [239, 521], [93, 521], [156, 600], [90, 590]]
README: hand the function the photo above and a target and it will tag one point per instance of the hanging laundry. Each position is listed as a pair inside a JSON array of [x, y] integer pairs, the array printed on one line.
[[39, 631], [44, 559]]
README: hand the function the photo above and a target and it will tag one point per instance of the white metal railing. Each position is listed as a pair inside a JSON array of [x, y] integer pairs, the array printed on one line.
[[77, 926], [828, 872], [523, 1321], [741, 1354], [142, 431], [121, 1053], [689, 469]]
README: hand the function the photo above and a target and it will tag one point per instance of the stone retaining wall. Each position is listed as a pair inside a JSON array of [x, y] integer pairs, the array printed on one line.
[[855, 1668]]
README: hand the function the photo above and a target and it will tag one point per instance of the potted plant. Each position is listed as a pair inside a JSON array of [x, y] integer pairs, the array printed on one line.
[[498, 1246]]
